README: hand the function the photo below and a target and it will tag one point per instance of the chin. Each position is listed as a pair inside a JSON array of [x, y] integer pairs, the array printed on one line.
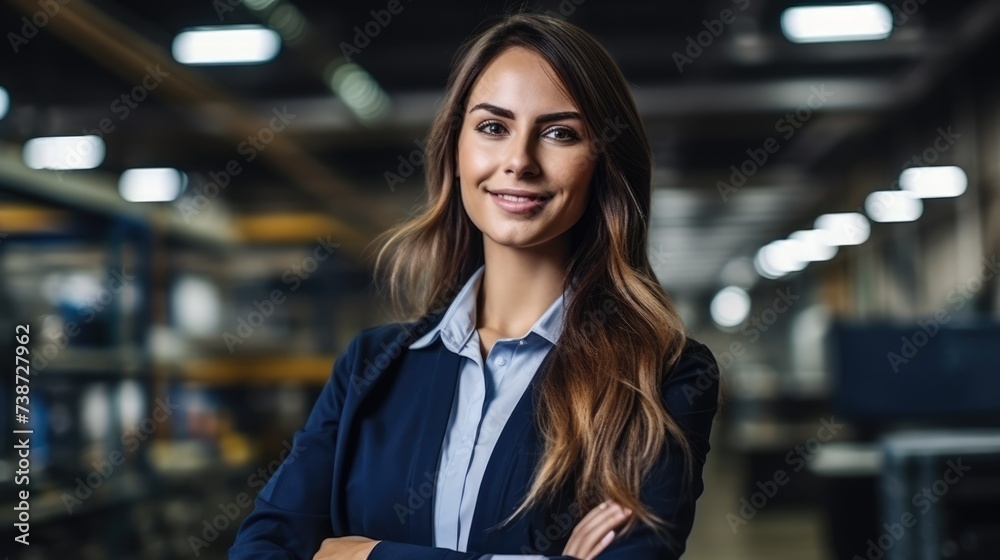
[[517, 240], [511, 241]]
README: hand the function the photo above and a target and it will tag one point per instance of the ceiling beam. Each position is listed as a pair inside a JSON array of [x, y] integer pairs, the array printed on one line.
[[96, 193], [131, 56], [977, 25]]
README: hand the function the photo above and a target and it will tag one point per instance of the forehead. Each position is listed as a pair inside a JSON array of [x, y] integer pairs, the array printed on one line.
[[521, 80]]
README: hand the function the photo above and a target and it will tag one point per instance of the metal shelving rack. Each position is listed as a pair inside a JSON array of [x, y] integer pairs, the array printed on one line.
[[912, 463]]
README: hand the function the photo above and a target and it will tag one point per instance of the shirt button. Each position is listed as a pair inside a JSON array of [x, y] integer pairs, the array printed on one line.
[[500, 361], [521, 343]]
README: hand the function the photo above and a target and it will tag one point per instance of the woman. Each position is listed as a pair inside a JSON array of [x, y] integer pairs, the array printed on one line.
[[554, 405]]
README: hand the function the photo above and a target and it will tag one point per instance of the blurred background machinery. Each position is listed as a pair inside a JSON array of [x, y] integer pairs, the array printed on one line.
[[186, 189]]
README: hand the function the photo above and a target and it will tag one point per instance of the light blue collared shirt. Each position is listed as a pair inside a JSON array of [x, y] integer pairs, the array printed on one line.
[[484, 399]]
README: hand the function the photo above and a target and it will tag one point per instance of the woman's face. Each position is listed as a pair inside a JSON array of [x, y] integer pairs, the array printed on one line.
[[520, 132]]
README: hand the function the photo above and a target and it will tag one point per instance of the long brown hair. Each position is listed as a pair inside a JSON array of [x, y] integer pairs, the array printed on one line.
[[600, 411]]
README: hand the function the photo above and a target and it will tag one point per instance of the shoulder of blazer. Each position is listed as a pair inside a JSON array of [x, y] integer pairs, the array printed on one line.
[[695, 350], [400, 334], [374, 349], [692, 384]]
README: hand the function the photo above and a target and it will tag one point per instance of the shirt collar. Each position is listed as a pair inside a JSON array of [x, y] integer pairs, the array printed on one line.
[[459, 321]]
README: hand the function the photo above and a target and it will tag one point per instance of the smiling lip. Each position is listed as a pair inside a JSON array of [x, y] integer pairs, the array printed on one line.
[[527, 203], [520, 193]]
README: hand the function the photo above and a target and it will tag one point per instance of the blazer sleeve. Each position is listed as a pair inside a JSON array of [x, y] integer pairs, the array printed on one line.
[[692, 397], [291, 514], [392, 550], [691, 394]]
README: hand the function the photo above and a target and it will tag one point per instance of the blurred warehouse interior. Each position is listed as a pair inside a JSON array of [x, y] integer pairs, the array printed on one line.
[[183, 214]]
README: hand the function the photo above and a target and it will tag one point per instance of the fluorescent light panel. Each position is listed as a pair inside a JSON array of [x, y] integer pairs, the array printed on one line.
[[784, 255], [359, 91], [763, 267], [4, 102], [893, 206], [846, 22], [259, 5], [843, 228], [234, 44], [730, 306], [814, 245], [943, 181], [152, 184], [64, 152]]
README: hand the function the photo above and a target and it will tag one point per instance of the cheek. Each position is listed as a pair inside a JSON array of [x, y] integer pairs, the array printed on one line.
[[585, 182], [576, 174], [473, 160]]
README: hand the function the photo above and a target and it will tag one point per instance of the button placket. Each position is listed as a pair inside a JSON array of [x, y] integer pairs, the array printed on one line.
[[505, 355]]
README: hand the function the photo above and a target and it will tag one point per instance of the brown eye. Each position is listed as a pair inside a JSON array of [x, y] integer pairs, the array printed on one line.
[[491, 128], [562, 134]]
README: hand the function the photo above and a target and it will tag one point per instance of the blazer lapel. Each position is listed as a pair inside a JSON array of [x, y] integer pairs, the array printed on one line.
[[432, 384], [435, 412], [509, 469]]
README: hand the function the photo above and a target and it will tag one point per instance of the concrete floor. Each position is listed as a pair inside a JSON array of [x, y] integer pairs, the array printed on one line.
[[773, 534]]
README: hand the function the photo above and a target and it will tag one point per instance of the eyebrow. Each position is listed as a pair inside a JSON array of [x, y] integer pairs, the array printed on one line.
[[508, 114]]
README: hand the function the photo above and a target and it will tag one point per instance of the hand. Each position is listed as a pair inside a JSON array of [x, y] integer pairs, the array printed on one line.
[[345, 548], [596, 530]]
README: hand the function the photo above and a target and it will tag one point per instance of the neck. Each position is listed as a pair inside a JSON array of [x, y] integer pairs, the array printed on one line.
[[519, 285]]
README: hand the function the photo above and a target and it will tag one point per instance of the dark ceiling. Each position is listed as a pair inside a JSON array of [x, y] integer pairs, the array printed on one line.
[[701, 118]]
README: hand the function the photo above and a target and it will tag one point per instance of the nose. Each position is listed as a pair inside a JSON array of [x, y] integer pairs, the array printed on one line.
[[521, 160]]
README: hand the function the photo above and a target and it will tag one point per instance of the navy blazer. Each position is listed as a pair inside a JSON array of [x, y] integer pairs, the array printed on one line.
[[365, 461]]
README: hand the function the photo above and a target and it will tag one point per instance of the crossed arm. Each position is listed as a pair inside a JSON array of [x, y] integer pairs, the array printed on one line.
[[589, 538], [288, 522]]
